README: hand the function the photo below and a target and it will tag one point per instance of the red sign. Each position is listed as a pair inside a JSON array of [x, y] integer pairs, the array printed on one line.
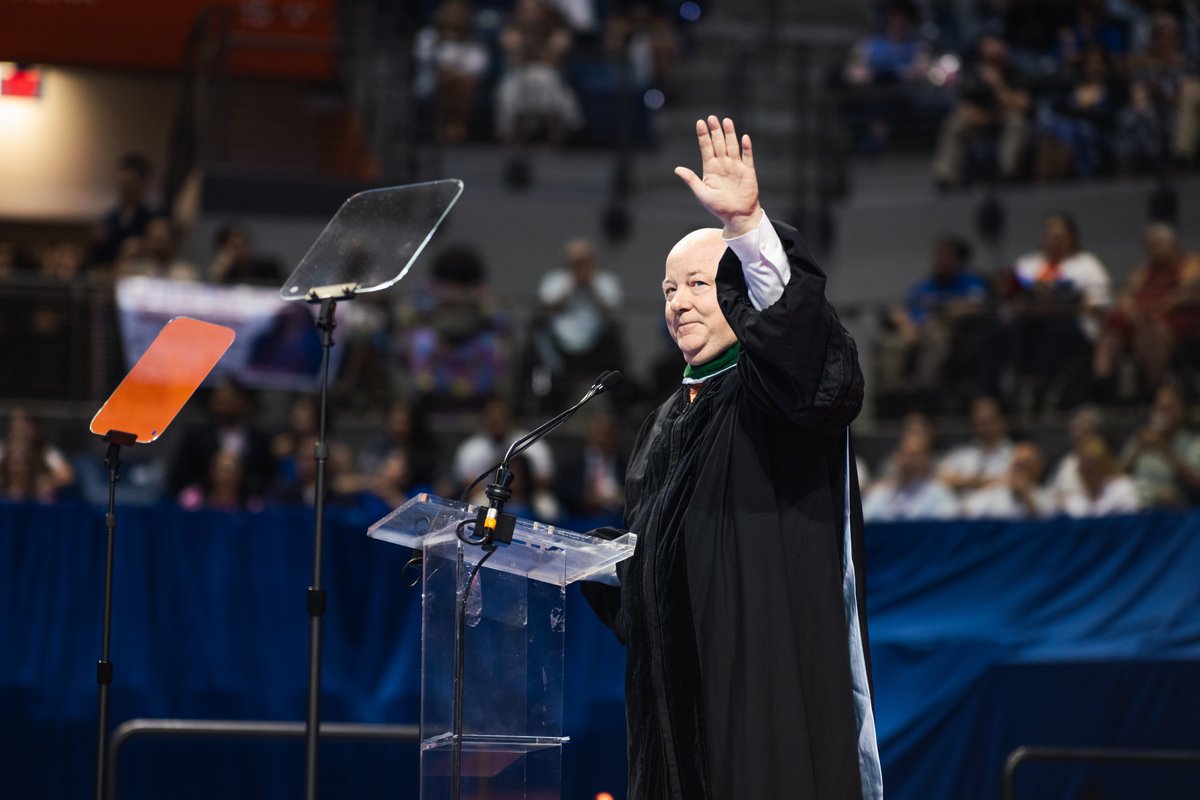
[[264, 37], [21, 82]]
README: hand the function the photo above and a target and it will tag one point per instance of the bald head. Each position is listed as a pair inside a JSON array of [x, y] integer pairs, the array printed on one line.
[[701, 247], [693, 315]]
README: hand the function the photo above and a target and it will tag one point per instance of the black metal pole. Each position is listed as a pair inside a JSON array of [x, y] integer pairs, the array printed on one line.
[[104, 668], [315, 598]]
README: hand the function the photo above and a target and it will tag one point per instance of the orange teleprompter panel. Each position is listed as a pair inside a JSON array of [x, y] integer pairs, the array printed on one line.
[[172, 368]]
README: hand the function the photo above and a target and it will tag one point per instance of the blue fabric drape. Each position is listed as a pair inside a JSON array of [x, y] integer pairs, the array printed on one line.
[[984, 637]]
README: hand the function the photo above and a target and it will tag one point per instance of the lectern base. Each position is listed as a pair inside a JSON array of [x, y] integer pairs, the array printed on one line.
[[494, 767]]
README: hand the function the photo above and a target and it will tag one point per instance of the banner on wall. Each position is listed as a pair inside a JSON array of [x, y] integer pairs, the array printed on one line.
[[278, 38], [277, 345]]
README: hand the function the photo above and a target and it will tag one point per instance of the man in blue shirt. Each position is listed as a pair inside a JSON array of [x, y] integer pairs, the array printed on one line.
[[930, 336]]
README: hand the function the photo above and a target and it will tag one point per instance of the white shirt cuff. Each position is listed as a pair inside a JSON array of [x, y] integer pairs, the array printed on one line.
[[764, 263]]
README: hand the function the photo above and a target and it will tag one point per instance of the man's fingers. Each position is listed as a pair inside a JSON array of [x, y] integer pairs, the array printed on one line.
[[747, 152], [689, 177], [730, 137], [714, 134], [706, 145]]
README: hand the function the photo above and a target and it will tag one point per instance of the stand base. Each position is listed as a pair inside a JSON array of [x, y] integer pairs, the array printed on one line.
[[493, 767]]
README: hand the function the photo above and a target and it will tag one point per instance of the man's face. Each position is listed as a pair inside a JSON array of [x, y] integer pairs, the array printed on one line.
[[694, 318], [986, 420], [943, 265]]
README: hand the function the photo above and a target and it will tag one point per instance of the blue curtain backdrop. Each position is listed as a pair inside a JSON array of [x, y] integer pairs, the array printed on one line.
[[984, 637]]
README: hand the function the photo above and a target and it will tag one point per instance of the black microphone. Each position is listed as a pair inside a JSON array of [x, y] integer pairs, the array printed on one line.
[[499, 526]]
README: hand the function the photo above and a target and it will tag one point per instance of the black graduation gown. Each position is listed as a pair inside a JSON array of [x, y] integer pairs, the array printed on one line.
[[738, 680]]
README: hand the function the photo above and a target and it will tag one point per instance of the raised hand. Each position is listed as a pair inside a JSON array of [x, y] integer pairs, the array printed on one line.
[[729, 188]]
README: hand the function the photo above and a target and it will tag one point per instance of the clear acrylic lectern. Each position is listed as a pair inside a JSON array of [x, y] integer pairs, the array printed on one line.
[[514, 642]]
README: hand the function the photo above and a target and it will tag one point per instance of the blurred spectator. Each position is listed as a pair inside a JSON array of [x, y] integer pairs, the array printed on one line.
[[296, 484], [228, 428], [295, 456], [156, 253], [1144, 16], [23, 475], [451, 58], [985, 461], [1030, 27], [593, 484], [1076, 128], [532, 98], [455, 341], [405, 432], [915, 424], [487, 446], [1020, 495], [1103, 490], [1063, 294], [894, 54], [238, 262], [224, 488], [932, 338], [131, 214], [1164, 457], [992, 113], [1149, 122], [1158, 312], [1085, 423], [890, 59], [33, 469], [1093, 29], [642, 33], [912, 493], [388, 486], [575, 334]]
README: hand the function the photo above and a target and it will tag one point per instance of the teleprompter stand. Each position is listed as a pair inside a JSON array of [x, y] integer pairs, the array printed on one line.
[[140, 409], [369, 245], [504, 737]]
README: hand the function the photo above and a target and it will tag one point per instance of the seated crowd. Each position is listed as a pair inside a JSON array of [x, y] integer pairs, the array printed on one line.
[[998, 476], [532, 70], [1032, 90], [1046, 333]]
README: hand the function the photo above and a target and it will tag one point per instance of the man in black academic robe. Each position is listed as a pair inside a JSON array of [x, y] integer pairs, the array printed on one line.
[[747, 672]]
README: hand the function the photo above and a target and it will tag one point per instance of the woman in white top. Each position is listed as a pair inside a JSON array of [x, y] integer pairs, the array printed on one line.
[[1103, 491]]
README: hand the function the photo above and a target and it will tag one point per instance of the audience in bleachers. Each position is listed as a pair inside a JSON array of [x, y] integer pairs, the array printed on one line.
[[985, 460], [451, 60], [930, 341], [229, 427], [31, 468], [1037, 90], [592, 483], [1102, 490], [1019, 494], [453, 340], [912, 491], [487, 446], [237, 260], [1066, 482], [1156, 316], [576, 331], [155, 253], [129, 216], [533, 98], [1163, 458], [988, 130]]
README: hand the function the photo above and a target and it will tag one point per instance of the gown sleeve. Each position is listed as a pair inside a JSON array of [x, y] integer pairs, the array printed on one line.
[[798, 362]]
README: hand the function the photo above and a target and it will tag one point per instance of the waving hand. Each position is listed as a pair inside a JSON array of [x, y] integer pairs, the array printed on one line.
[[729, 186]]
